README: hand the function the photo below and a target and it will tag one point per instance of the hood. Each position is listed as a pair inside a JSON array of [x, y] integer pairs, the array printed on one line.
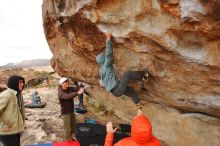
[[100, 59], [13, 82], [141, 130]]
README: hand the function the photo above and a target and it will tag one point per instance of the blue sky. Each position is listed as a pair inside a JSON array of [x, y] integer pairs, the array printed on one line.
[[21, 31]]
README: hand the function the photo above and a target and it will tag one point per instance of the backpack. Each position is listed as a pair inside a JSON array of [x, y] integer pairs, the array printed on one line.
[[94, 134]]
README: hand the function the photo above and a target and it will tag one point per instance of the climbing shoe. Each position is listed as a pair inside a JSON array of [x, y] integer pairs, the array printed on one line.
[[145, 77], [140, 104]]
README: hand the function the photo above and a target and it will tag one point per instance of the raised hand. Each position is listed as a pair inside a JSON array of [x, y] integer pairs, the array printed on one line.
[[109, 128], [139, 112]]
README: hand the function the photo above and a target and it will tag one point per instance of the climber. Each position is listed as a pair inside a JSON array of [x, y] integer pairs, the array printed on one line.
[[141, 133], [108, 75]]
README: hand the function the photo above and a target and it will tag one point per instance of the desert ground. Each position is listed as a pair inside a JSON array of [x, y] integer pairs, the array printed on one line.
[[44, 125]]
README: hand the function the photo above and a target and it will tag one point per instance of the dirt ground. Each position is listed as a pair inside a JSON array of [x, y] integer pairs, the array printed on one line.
[[45, 125]]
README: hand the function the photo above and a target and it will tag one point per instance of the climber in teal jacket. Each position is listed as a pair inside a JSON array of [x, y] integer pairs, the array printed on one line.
[[108, 77]]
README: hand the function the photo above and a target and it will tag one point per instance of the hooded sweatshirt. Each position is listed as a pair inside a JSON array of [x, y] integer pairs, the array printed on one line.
[[13, 83], [106, 71], [12, 108], [141, 134]]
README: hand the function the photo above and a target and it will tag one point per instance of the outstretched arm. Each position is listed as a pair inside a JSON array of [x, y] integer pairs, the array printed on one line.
[[109, 50], [63, 95], [110, 134]]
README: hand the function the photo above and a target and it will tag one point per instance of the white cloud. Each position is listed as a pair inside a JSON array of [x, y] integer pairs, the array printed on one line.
[[21, 31]]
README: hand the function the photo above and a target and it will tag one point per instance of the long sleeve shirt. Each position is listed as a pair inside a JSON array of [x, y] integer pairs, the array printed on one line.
[[66, 99], [106, 71]]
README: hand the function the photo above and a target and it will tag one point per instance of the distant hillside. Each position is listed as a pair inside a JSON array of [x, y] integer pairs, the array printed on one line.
[[27, 63]]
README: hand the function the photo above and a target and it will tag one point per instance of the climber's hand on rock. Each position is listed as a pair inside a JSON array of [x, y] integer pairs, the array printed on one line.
[[81, 91], [86, 86], [101, 83], [108, 36]]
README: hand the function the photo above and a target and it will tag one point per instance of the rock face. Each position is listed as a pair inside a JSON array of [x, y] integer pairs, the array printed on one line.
[[178, 41]]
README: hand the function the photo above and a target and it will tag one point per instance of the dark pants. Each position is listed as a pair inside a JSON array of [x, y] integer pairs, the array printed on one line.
[[10, 140], [124, 89], [80, 100]]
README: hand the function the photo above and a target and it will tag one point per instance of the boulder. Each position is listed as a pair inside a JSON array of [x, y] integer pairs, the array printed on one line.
[[178, 41]]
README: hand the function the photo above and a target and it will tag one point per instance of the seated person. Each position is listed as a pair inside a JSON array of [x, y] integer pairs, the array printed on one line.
[[35, 98], [141, 133]]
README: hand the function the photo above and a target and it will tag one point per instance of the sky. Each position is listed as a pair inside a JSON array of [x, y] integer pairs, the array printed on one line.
[[21, 31]]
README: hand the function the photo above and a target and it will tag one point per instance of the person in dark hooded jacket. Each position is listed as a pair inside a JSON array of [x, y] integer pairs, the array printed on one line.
[[12, 112], [108, 75], [141, 133]]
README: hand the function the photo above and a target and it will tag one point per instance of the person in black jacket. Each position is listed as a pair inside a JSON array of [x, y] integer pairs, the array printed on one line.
[[66, 95]]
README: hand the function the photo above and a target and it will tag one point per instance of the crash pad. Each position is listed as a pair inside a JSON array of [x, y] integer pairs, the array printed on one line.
[[32, 105], [68, 143], [80, 111], [46, 144]]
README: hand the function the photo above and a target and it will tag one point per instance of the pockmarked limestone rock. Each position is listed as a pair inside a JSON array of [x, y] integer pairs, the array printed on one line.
[[177, 41]]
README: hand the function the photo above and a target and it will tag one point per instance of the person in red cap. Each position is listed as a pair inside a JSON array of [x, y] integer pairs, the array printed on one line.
[[141, 133]]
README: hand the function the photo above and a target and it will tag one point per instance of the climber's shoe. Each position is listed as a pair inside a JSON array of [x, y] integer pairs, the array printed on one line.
[[145, 76], [140, 104]]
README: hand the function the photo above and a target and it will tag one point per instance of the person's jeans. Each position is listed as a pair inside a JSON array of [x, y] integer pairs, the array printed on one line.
[[69, 125], [124, 89], [10, 140]]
